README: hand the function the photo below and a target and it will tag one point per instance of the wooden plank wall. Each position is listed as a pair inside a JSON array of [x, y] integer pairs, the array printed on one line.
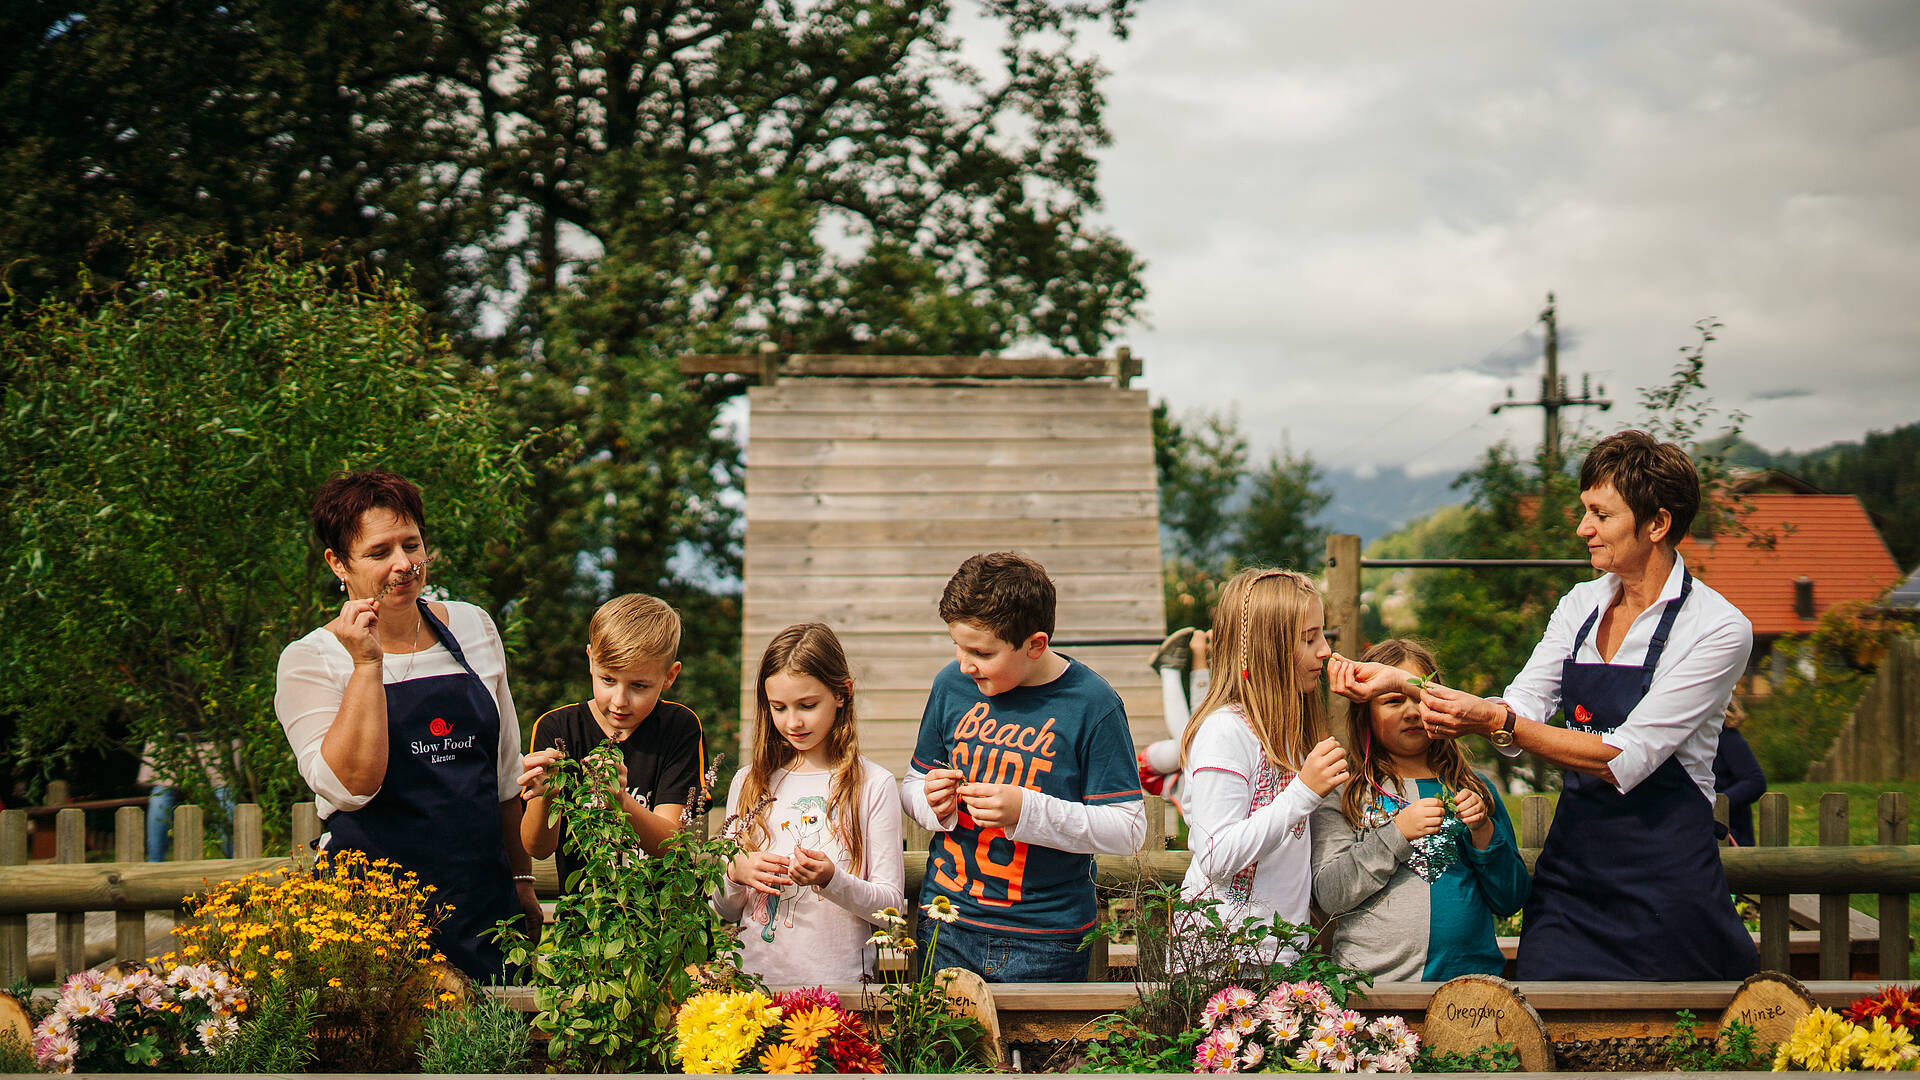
[[863, 496]]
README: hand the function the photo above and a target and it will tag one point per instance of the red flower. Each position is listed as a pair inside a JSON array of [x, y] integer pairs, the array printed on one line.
[[1899, 1007]]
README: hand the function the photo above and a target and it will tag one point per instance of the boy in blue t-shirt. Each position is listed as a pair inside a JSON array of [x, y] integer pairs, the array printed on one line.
[[1024, 770]]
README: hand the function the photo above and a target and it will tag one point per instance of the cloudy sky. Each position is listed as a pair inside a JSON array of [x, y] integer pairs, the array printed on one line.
[[1352, 212]]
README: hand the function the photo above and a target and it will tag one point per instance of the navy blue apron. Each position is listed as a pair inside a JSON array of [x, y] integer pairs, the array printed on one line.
[[438, 810], [1629, 887]]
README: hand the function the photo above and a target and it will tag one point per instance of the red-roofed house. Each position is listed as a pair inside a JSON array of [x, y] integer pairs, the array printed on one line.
[[1827, 552]]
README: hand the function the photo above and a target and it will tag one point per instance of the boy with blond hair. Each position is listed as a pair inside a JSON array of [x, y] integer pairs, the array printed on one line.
[[1024, 770], [633, 644]]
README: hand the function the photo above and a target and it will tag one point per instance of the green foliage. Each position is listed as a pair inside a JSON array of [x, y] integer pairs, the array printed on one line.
[[1216, 517], [16, 1058], [1186, 952], [277, 1036], [487, 1036], [162, 442], [631, 935], [1126, 1048], [1734, 1050], [1492, 1058], [1822, 678], [921, 1032], [1884, 470]]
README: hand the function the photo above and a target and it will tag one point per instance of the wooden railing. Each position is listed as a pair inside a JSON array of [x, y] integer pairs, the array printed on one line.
[[69, 887]]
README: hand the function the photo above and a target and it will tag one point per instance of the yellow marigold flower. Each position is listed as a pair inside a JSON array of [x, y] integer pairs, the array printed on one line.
[[334, 982], [446, 995], [783, 1059]]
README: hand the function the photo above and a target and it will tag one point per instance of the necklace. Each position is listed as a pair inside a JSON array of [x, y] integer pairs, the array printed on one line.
[[417, 624]]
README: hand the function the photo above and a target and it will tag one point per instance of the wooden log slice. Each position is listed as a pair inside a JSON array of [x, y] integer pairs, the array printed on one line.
[[971, 996], [1473, 1011], [448, 979], [15, 1019], [1772, 1003]]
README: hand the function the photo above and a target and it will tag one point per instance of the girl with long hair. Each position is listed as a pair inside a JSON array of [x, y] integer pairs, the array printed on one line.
[[1256, 753], [821, 835], [1417, 857]]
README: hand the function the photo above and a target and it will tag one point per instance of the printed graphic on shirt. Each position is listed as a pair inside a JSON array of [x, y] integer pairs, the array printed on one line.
[[1067, 739], [804, 823]]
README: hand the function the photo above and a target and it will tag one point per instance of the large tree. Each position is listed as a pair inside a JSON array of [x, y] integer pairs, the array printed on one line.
[[584, 191], [163, 439]]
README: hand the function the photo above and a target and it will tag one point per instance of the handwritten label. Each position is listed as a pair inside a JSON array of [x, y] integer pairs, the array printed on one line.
[[1474, 1013]]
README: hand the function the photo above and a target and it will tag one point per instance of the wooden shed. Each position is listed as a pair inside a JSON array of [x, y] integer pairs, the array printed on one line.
[[870, 479]]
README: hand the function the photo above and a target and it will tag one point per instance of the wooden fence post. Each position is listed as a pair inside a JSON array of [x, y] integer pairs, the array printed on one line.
[[69, 927], [1534, 819], [1343, 624], [1723, 817], [1895, 949], [13, 928], [1156, 808], [1835, 933], [247, 832], [129, 846], [1774, 907], [306, 829]]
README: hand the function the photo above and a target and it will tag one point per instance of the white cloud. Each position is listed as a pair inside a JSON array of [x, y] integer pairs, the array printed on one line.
[[1344, 207]]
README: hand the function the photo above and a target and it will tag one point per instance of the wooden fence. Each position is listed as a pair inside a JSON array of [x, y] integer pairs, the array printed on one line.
[[69, 887]]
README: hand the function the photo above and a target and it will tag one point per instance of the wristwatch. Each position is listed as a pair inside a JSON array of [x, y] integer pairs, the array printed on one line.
[[1504, 736]]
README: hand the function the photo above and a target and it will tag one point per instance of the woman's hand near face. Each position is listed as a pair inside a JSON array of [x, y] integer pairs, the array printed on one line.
[[1449, 713], [1422, 817], [357, 627], [1473, 813]]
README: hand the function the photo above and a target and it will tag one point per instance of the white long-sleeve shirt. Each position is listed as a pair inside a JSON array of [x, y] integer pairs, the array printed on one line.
[[1255, 861], [817, 934], [1114, 829], [1681, 715], [312, 680]]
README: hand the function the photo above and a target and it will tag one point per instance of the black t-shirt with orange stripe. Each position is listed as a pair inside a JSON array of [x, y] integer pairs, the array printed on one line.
[[666, 755]]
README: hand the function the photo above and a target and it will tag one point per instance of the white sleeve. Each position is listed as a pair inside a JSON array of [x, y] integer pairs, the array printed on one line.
[[1173, 702], [1111, 829], [306, 698], [1534, 694], [913, 799], [731, 901], [1689, 690], [886, 882], [1225, 836]]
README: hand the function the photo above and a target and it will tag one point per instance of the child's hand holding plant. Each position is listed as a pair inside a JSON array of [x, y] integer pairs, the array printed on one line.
[[1325, 767], [761, 871], [1473, 813], [943, 791], [810, 867], [1421, 817], [993, 806]]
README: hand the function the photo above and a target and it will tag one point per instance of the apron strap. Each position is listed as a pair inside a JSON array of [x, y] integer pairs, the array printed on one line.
[[1659, 643], [1660, 633], [445, 635]]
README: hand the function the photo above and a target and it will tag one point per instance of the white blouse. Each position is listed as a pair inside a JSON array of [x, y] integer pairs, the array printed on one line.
[[313, 678], [1682, 713]]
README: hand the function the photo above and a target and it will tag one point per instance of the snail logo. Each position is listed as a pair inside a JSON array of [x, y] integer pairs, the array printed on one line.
[[440, 727], [1581, 715]]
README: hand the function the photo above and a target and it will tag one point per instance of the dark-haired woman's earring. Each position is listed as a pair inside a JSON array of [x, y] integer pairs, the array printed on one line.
[[343, 584]]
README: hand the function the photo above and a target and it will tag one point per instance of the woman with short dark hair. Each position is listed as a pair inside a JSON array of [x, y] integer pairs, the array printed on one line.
[[1642, 661], [401, 722]]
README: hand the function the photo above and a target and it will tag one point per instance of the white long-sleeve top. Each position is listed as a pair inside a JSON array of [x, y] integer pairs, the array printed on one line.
[[312, 680], [1682, 713], [1061, 824], [1247, 826], [817, 934]]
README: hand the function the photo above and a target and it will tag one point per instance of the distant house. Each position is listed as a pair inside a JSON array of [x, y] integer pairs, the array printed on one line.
[[1825, 551]]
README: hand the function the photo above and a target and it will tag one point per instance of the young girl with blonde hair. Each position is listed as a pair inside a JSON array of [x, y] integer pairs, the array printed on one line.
[[822, 840], [1256, 753], [1412, 885]]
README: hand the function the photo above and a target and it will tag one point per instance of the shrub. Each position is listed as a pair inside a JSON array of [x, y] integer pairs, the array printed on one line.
[[487, 1036]]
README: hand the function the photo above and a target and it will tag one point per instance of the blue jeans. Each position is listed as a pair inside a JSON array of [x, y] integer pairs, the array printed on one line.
[[160, 804], [1004, 958]]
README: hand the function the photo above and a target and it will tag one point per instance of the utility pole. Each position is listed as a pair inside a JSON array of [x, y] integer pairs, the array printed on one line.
[[1553, 391]]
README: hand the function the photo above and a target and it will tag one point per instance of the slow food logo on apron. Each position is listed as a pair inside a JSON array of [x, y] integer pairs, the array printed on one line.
[[442, 750]]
